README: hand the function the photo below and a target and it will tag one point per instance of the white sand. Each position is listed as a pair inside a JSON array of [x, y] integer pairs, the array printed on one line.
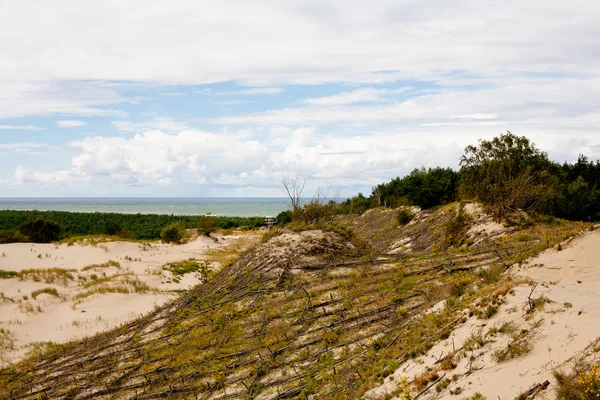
[[63, 319], [571, 280]]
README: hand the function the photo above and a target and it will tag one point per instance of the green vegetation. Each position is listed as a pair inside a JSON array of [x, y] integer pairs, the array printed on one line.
[[207, 224], [75, 224], [49, 275], [40, 230], [507, 174], [173, 233]]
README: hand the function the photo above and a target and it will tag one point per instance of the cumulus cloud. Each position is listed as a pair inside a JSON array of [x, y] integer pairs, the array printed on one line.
[[70, 123], [235, 160]]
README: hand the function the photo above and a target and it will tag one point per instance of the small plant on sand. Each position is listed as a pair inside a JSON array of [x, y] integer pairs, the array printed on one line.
[[476, 396], [460, 283]]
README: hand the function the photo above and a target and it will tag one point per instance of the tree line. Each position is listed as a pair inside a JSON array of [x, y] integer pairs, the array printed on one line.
[[47, 226], [506, 174]]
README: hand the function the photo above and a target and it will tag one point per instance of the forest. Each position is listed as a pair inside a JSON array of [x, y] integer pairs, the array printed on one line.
[[17, 226]]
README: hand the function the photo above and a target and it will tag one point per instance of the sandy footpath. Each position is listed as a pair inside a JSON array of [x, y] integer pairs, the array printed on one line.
[[565, 329], [85, 305]]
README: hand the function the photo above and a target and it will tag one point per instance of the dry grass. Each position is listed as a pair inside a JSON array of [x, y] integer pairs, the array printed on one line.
[[108, 264], [50, 291]]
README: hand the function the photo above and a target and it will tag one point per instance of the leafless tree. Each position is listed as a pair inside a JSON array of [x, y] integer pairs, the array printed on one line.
[[293, 186]]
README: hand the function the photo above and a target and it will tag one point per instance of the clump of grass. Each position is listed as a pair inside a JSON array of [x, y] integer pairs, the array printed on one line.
[[460, 284], [476, 396], [442, 385], [108, 264], [8, 274], [487, 313], [421, 381], [517, 347], [492, 274], [474, 342], [5, 298], [50, 291], [182, 267]]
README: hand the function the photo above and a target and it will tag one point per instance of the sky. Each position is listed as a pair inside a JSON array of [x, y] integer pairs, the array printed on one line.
[[222, 98]]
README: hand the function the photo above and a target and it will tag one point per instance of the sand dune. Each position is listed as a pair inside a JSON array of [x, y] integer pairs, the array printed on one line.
[[85, 304], [561, 332]]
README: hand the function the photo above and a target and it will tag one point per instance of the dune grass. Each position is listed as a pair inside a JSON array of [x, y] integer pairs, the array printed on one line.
[[50, 291], [108, 264]]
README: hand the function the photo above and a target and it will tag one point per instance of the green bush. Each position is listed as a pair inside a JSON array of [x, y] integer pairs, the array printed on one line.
[[12, 237], [173, 233], [404, 216], [284, 217], [207, 224]]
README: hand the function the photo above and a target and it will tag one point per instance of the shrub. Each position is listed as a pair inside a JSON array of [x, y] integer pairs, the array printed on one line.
[[172, 233], [207, 224], [12, 237], [284, 217], [40, 231], [404, 216]]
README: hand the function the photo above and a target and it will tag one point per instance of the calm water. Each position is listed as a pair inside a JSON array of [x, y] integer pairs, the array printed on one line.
[[242, 207]]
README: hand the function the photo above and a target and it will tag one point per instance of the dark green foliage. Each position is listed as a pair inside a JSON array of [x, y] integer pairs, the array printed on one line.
[[284, 217], [507, 173], [173, 233], [112, 228], [356, 205], [40, 230], [404, 216], [207, 224], [11, 237], [132, 226], [425, 188]]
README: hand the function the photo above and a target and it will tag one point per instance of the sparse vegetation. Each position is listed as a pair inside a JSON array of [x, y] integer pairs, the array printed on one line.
[[50, 291], [108, 264]]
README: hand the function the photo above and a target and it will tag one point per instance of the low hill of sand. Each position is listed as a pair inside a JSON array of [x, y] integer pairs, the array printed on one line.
[[60, 292], [548, 320]]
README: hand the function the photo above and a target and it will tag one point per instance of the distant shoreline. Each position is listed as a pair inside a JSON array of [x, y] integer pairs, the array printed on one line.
[[179, 206]]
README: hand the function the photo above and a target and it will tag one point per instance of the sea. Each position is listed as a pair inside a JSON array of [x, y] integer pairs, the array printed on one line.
[[226, 206]]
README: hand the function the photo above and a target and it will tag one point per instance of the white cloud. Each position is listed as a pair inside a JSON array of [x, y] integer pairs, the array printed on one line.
[[20, 128], [524, 103], [70, 123], [156, 159], [294, 41], [163, 124], [255, 91], [361, 95]]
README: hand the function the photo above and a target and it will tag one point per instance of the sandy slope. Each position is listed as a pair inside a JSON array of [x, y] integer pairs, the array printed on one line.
[[560, 333], [62, 319]]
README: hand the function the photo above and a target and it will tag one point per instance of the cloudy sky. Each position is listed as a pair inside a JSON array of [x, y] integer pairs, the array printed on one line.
[[220, 98]]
